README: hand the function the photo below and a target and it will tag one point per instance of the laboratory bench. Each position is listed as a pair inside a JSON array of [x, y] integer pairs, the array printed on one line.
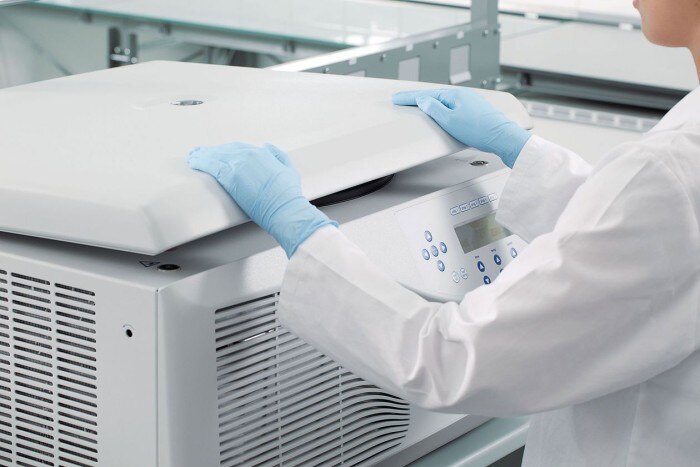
[[496, 443]]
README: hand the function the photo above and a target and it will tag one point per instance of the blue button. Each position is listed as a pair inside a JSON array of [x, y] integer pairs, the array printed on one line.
[[443, 247], [481, 266], [474, 203], [434, 250], [454, 211], [487, 280], [493, 197], [426, 255], [464, 207], [428, 236], [513, 252], [497, 259], [441, 266], [483, 200]]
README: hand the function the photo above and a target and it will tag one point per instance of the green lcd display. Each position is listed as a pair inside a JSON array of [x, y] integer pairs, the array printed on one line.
[[476, 234]]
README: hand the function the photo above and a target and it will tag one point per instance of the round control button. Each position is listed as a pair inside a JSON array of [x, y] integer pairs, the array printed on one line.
[[481, 266], [497, 259], [434, 250], [443, 247], [455, 276], [428, 236], [441, 266], [426, 254], [513, 252], [487, 280]]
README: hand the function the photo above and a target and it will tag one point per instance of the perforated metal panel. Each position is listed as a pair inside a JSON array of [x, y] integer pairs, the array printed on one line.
[[48, 373], [281, 402]]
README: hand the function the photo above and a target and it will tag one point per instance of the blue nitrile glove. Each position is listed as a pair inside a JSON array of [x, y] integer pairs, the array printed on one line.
[[470, 119], [263, 182]]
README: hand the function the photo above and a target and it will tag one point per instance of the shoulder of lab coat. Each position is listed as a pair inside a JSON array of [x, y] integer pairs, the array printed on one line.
[[542, 182], [606, 300]]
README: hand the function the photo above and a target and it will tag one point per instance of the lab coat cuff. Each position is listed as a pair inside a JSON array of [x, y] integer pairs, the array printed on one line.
[[518, 189], [528, 155], [543, 180], [296, 268]]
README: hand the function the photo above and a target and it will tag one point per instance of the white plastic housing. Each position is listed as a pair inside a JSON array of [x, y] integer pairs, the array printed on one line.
[[105, 360], [99, 158]]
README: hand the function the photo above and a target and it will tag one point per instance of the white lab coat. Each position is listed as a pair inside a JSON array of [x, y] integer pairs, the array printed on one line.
[[594, 326]]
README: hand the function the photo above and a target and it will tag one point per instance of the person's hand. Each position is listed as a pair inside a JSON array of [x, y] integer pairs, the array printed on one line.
[[263, 182], [470, 119]]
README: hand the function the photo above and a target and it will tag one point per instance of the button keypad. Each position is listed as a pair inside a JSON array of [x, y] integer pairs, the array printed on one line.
[[472, 204], [486, 269], [433, 251]]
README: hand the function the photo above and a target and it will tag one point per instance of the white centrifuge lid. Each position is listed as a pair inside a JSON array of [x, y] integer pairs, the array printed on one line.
[[100, 158]]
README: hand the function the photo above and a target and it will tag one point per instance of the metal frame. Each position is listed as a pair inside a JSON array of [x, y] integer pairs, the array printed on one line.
[[121, 54], [124, 31], [464, 54], [281, 47], [545, 12], [593, 89], [13, 2], [467, 54]]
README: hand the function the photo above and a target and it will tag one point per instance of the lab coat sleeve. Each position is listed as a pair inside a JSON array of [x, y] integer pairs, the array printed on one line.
[[596, 305], [541, 184]]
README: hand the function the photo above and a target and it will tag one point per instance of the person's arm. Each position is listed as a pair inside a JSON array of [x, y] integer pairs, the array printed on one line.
[[601, 303], [606, 300], [543, 181]]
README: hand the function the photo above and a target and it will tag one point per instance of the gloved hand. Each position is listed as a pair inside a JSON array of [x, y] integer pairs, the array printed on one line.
[[470, 119], [263, 182]]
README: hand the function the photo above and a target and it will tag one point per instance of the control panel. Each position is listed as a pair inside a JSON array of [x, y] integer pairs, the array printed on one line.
[[454, 237]]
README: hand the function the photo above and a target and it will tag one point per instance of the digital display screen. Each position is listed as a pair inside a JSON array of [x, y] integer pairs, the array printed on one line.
[[476, 234]]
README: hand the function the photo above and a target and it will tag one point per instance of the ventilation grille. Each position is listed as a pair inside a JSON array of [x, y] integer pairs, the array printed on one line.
[[589, 117], [283, 403], [48, 373]]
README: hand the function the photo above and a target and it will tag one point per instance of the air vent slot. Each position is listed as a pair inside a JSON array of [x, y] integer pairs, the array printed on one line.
[[589, 117], [281, 402], [48, 373]]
